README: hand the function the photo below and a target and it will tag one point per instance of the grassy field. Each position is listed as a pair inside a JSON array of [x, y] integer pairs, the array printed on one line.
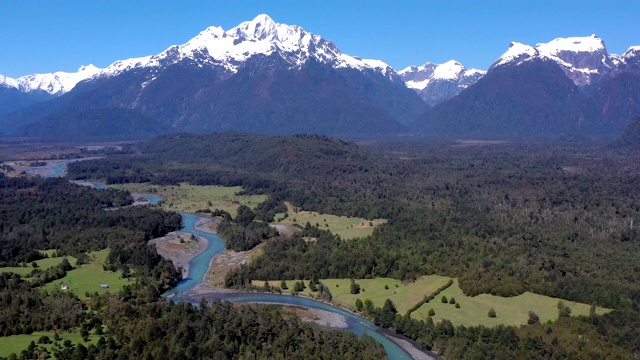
[[16, 343], [472, 311], [88, 277], [189, 198], [404, 296], [43, 264], [346, 227], [510, 311]]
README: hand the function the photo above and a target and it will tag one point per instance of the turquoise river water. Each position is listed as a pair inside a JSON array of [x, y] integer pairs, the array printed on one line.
[[199, 266]]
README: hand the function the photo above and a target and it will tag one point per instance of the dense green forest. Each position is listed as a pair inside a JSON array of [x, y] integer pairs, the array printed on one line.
[[555, 218], [38, 214]]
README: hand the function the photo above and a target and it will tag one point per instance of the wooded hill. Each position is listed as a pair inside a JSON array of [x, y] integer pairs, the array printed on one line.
[[506, 218]]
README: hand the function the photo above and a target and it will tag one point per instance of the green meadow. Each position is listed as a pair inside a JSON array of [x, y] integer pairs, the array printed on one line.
[[189, 198], [43, 264], [89, 277], [14, 344], [509, 310], [346, 227], [473, 310]]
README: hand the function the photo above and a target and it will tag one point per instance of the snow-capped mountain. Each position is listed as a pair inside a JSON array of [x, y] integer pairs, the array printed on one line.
[[260, 76], [566, 86], [438, 82], [56, 83], [215, 47], [261, 36], [584, 60]]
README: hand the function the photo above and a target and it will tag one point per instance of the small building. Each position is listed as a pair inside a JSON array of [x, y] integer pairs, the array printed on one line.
[[104, 286], [64, 287]]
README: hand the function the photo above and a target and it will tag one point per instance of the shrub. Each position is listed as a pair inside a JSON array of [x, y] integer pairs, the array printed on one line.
[[563, 310], [457, 305], [386, 287], [533, 318], [492, 313], [355, 288], [452, 300], [432, 312], [444, 299]]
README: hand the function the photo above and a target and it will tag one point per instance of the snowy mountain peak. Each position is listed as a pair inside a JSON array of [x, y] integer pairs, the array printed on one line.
[[54, 83], [216, 47], [261, 36], [582, 59], [633, 51], [572, 44], [517, 53], [259, 28], [438, 82]]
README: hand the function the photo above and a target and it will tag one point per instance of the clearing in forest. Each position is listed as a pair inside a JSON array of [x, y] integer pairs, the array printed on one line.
[[403, 295], [509, 310], [89, 278], [42, 264], [473, 310], [15, 344], [346, 227], [190, 198]]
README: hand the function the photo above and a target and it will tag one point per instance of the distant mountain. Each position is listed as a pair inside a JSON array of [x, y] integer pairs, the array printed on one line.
[[12, 99], [630, 138], [438, 82], [108, 123], [566, 86], [260, 76], [56, 83]]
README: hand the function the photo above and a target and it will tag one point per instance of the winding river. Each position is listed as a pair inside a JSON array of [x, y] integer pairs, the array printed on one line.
[[199, 266]]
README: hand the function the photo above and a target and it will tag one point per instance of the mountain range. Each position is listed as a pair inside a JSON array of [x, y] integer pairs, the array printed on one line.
[[271, 78]]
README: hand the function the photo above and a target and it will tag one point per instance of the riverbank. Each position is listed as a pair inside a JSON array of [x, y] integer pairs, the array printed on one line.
[[195, 289], [180, 248]]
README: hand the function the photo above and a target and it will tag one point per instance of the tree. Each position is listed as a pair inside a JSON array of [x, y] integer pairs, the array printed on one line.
[[432, 312], [355, 288], [457, 305], [563, 310], [368, 306], [452, 300], [244, 215], [533, 318], [359, 304], [312, 286], [444, 299], [283, 285], [492, 313]]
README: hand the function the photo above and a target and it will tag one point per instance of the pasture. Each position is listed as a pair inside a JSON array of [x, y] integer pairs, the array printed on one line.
[[14, 344], [346, 227], [89, 277], [509, 310], [42, 264], [189, 198]]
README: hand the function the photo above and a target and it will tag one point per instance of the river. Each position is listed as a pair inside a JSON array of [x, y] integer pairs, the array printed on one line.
[[199, 266]]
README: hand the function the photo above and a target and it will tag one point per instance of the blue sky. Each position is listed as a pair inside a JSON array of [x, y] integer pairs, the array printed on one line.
[[46, 36]]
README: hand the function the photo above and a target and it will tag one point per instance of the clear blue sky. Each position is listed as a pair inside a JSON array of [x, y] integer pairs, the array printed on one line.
[[46, 36]]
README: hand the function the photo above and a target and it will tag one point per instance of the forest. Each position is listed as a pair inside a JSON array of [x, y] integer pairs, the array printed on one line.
[[135, 322], [555, 217]]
